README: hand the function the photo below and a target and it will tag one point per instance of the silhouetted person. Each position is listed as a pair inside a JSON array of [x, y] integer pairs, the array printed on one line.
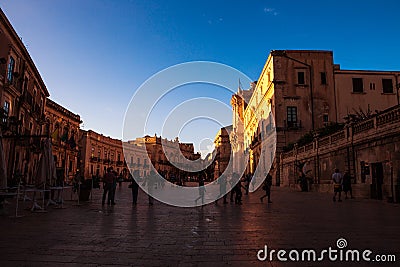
[[267, 187], [114, 185], [108, 184], [337, 180], [151, 181], [347, 184], [222, 188], [238, 192], [202, 189], [247, 183], [135, 190], [232, 182]]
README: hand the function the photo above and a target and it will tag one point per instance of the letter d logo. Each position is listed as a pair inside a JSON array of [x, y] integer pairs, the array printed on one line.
[[260, 252]]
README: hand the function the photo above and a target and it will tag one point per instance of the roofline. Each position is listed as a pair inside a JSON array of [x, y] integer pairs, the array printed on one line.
[[368, 71]]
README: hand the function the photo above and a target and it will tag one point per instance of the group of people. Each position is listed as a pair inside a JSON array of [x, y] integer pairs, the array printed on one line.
[[341, 183], [151, 181], [236, 185]]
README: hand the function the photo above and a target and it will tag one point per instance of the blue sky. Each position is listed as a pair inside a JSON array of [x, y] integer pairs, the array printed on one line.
[[93, 55]]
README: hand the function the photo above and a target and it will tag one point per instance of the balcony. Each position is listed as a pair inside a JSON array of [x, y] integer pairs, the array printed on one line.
[[292, 125], [120, 163]]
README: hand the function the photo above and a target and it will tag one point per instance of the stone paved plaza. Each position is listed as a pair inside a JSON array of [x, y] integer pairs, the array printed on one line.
[[214, 235]]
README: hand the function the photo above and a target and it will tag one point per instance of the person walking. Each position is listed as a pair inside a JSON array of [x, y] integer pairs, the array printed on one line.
[[238, 192], [267, 187], [202, 190], [108, 184], [135, 189], [222, 188], [337, 180], [150, 181], [347, 184], [114, 187], [232, 182]]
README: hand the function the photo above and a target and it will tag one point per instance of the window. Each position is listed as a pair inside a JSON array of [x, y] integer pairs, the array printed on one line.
[[387, 86], [371, 86], [300, 77], [6, 110], [323, 77], [358, 85], [325, 119], [10, 71], [25, 87], [291, 116]]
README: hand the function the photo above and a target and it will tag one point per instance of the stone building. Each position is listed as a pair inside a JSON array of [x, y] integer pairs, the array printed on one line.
[[63, 127], [299, 91], [98, 152], [172, 159], [360, 91], [239, 103], [223, 151], [22, 97], [369, 150]]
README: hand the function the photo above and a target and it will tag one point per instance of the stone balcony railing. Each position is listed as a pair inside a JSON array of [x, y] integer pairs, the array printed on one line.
[[377, 125]]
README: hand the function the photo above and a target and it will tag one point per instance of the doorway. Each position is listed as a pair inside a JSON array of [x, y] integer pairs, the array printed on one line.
[[377, 180]]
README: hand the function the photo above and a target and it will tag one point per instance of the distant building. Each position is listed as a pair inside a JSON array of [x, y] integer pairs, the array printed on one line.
[[223, 151], [172, 159], [22, 97], [98, 152], [63, 127]]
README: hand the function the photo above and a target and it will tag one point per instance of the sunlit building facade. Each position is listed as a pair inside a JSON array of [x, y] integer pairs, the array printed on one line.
[[303, 90], [63, 126], [22, 97]]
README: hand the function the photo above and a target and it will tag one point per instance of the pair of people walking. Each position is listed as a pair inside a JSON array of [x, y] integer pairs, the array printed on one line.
[[341, 183]]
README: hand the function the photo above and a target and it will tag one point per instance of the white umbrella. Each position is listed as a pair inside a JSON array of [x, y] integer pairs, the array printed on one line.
[[3, 168]]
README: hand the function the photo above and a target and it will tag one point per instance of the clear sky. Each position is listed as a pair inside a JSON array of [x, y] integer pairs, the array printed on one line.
[[94, 54]]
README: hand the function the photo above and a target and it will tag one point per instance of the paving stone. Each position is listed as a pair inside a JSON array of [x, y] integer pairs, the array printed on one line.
[[214, 235]]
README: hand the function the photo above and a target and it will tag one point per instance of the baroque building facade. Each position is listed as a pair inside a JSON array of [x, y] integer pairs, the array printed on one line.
[[170, 158], [223, 151], [98, 152], [300, 91], [22, 97], [63, 127]]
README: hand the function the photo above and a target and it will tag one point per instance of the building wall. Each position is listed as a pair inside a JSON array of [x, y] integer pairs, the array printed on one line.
[[308, 84], [98, 152], [22, 96], [170, 158], [63, 127], [367, 150], [223, 151], [372, 98]]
